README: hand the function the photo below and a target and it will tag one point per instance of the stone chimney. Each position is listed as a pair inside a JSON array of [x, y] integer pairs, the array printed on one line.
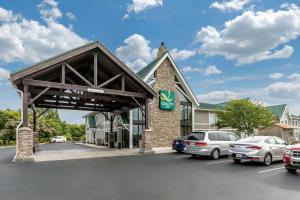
[[161, 50]]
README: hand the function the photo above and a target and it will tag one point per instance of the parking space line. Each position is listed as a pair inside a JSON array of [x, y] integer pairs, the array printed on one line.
[[269, 170], [222, 161], [185, 156]]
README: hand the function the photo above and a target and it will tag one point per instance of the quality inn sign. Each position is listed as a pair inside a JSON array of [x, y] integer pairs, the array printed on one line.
[[166, 100]]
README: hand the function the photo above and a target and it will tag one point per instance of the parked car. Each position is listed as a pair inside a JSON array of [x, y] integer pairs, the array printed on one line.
[[265, 149], [291, 158], [178, 144], [209, 143], [58, 139]]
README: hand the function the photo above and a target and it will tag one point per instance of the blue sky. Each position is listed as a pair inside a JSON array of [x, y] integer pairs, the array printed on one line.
[[225, 49]]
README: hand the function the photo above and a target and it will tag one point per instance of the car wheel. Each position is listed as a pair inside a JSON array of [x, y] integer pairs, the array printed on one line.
[[194, 156], [215, 154], [178, 151], [291, 170], [237, 160], [268, 159]]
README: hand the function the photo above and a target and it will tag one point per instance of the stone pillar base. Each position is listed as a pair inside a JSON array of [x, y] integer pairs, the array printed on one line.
[[25, 145], [36, 143], [145, 142]]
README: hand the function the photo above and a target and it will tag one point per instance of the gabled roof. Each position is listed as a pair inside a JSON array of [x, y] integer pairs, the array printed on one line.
[[147, 71], [18, 76], [218, 106], [277, 110]]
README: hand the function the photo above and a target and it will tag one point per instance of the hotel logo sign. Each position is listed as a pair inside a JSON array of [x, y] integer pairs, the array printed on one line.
[[166, 100]]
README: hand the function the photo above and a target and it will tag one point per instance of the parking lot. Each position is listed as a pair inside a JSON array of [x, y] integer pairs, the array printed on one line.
[[160, 176]]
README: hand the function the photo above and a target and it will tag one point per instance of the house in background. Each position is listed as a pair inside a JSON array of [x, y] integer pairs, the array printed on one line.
[[206, 116], [284, 126], [296, 125]]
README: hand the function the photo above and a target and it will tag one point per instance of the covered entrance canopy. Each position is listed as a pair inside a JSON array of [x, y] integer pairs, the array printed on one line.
[[88, 78]]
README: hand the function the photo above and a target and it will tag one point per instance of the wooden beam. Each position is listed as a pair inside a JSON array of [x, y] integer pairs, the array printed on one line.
[[85, 95], [95, 69], [83, 88], [34, 120], [78, 74], [110, 80], [123, 83], [70, 108], [140, 106], [45, 110], [63, 73], [25, 106], [40, 94]]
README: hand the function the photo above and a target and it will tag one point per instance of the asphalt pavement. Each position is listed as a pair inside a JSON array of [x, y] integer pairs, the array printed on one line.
[[163, 176]]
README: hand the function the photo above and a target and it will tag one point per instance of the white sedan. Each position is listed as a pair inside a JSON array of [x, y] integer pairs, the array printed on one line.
[[58, 139]]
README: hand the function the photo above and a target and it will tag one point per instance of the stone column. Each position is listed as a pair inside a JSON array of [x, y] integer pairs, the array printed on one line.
[[25, 145], [36, 144], [145, 142]]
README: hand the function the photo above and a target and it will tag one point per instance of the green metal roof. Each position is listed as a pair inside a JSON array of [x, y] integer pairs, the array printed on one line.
[[146, 70], [210, 106], [277, 110]]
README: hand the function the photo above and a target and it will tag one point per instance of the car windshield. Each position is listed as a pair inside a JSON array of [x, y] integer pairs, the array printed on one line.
[[251, 140], [196, 136]]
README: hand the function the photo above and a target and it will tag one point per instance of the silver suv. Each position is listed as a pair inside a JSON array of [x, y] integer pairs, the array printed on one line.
[[209, 143]]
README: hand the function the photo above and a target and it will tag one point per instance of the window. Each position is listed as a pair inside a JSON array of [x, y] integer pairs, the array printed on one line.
[[271, 141], [196, 136], [232, 137], [213, 136], [280, 141], [224, 137]]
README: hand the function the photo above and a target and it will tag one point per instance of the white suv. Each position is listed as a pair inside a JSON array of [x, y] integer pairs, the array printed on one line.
[[58, 139]]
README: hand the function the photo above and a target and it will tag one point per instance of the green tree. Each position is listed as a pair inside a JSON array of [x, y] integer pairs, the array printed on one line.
[[9, 120], [245, 116]]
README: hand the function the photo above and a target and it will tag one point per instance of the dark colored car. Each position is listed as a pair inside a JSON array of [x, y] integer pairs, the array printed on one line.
[[178, 144]]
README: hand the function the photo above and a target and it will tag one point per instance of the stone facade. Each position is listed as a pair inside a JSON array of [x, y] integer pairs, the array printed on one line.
[[165, 125], [25, 145]]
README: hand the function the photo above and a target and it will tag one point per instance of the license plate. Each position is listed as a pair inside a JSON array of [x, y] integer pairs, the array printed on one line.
[[238, 155], [177, 142]]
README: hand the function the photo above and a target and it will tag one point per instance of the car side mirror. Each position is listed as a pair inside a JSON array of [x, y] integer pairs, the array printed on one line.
[[285, 143]]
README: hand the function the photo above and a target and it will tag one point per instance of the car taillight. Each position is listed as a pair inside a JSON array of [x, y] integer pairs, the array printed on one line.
[[201, 144], [187, 142], [254, 147]]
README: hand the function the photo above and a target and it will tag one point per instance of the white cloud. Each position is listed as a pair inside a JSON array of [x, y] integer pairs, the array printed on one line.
[[71, 16], [181, 54], [253, 36], [136, 52], [7, 15], [49, 10], [217, 96], [140, 5], [275, 76], [29, 41], [137, 6], [187, 69], [4, 73], [294, 78], [212, 70], [285, 90], [232, 5]]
